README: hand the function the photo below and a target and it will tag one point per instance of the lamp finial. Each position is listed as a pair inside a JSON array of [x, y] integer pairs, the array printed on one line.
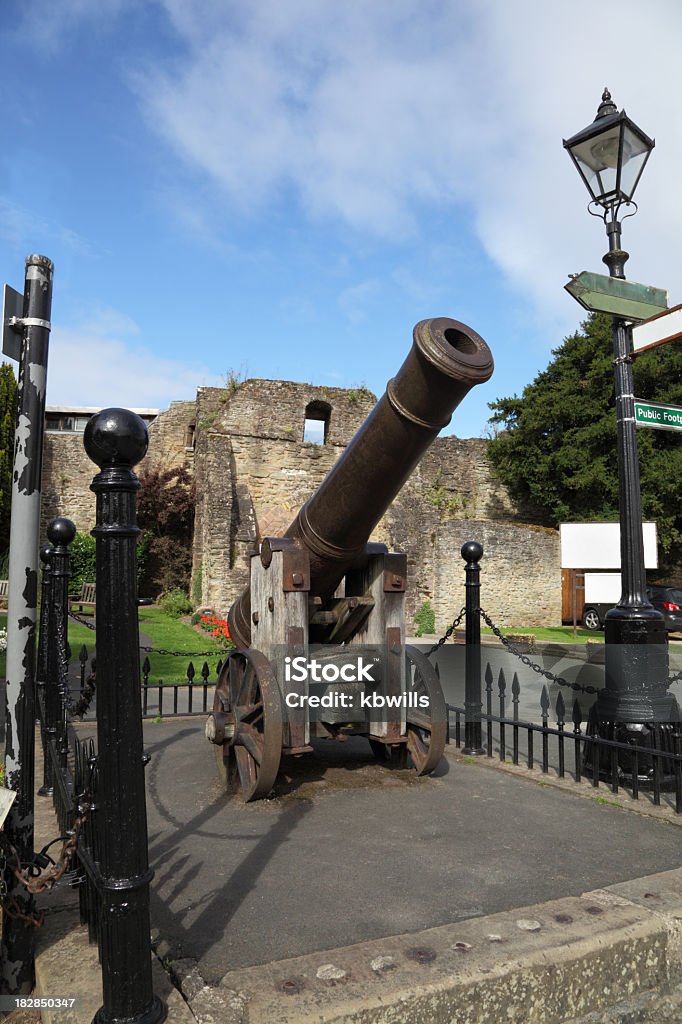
[[607, 106]]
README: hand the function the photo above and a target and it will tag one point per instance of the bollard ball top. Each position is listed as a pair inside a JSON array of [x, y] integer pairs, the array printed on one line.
[[472, 551], [46, 553], [116, 437], [60, 531]]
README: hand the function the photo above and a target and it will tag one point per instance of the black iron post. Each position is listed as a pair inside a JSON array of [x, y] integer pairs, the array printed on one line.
[[17, 945], [472, 552], [635, 705], [117, 440], [60, 533], [47, 788], [636, 692]]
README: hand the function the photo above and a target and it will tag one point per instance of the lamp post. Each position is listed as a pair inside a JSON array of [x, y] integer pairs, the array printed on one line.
[[610, 155]]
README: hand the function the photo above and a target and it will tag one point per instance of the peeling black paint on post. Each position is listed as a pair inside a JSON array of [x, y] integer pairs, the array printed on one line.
[[17, 947], [117, 440]]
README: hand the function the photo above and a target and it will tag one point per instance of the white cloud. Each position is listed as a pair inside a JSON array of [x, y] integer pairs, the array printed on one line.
[[355, 301], [363, 113], [48, 24], [369, 114], [96, 364]]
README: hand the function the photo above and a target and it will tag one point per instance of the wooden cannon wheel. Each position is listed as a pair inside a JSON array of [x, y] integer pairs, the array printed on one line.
[[248, 696], [427, 728]]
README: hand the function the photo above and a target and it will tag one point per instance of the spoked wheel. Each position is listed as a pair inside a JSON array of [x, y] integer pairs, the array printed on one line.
[[246, 724], [427, 728]]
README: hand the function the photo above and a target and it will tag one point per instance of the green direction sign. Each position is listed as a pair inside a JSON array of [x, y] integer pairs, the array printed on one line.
[[602, 294], [658, 416]]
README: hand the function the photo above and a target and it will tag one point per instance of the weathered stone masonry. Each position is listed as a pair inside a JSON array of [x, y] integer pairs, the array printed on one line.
[[253, 471]]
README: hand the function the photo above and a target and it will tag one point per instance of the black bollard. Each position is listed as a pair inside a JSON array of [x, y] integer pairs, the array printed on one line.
[[46, 552], [60, 533], [117, 440], [472, 552]]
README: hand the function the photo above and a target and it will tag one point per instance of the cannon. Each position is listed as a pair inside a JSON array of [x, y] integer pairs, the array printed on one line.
[[320, 631]]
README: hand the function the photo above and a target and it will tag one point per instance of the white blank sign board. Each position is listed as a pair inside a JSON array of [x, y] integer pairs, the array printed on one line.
[[597, 545]]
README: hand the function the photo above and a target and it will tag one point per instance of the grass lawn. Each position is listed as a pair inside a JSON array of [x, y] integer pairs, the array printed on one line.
[[555, 634], [165, 632], [175, 635]]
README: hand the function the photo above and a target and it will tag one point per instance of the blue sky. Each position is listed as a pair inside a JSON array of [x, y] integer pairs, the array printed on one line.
[[283, 188]]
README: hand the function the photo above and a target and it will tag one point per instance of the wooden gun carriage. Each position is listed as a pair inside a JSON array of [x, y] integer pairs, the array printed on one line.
[[324, 595]]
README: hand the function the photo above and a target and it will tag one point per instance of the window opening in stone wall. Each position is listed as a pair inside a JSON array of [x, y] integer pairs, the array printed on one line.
[[189, 436], [316, 423]]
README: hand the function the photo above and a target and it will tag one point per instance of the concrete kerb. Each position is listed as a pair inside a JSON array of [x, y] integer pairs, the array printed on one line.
[[545, 963]]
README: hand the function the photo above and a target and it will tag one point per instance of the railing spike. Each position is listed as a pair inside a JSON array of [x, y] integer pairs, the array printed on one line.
[[577, 715]]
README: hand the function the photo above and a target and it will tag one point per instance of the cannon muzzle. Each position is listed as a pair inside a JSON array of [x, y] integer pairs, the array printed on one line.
[[446, 360]]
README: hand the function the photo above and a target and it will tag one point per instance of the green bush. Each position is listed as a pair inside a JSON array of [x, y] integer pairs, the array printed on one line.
[[425, 619], [194, 618], [175, 602], [83, 568]]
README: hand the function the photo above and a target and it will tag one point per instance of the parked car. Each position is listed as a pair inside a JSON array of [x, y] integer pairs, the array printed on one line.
[[667, 600]]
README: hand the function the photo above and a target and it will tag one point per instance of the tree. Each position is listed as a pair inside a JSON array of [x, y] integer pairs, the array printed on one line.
[[8, 412], [557, 449], [165, 513]]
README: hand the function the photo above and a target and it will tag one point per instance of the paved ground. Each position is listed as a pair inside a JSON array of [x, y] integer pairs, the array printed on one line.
[[349, 851]]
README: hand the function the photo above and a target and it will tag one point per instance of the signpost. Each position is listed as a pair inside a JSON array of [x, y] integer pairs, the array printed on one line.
[[627, 299], [657, 415], [12, 327], [658, 330]]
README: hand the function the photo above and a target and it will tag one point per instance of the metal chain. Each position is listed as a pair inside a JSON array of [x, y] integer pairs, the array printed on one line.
[[83, 621], [448, 633], [559, 680], [155, 650], [183, 654], [47, 879]]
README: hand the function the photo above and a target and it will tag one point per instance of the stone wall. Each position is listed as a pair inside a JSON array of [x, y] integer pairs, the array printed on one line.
[[68, 472], [520, 572], [253, 471], [67, 475], [171, 438]]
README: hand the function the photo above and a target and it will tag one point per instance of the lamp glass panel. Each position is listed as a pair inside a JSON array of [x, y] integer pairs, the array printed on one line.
[[598, 160], [635, 153]]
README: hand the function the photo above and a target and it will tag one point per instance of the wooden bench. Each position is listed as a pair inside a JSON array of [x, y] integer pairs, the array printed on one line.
[[4, 591], [85, 602]]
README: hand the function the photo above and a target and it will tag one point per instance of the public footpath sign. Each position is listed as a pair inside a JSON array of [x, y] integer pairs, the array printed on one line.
[[602, 294], [658, 330], [658, 416]]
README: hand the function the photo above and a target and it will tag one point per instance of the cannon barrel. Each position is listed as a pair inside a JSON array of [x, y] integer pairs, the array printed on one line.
[[446, 360]]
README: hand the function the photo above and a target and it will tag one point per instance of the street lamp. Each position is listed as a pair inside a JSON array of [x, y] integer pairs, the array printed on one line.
[[610, 155]]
